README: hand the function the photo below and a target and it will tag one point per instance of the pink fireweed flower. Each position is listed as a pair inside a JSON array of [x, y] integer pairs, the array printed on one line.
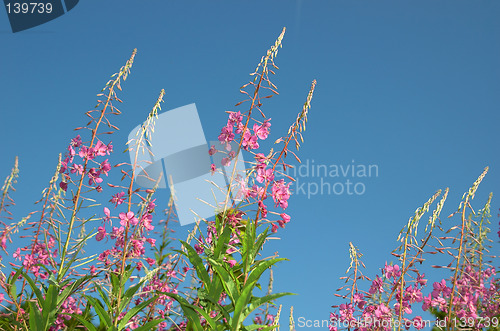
[[421, 280], [226, 135], [107, 213], [262, 131], [151, 206], [64, 165], [199, 249], [150, 261], [100, 149], [105, 167], [226, 161], [212, 168], [212, 150], [235, 118], [101, 233], [146, 222], [117, 199], [249, 141], [285, 218], [440, 287], [63, 186], [86, 153], [281, 193], [377, 286], [264, 174], [392, 271], [263, 209], [418, 322], [274, 228], [261, 158], [76, 142], [382, 311], [71, 153], [128, 218], [231, 263], [77, 168], [243, 190], [258, 192], [93, 175], [17, 254]]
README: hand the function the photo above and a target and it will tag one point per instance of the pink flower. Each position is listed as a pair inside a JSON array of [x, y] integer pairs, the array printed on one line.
[[235, 118], [101, 233], [17, 254], [281, 193], [262, 131], [230, 262], [150, 261], [226, 135], [107, 213], [63, 186], [199, 249], [76, 142], [86, 153], [101, 149], [93, 175], [77, 168], [377, 286], [285, 218], [249, 141], [213, 168], [105, 167], [118, 199], [146, 222], [128, 218], [212, 150], [264, 174]]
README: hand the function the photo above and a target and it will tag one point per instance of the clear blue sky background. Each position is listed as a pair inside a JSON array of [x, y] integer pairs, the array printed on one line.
[[410, 87]]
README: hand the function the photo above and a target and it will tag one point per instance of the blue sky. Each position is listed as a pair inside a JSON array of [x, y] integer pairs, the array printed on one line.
[[411, 88]]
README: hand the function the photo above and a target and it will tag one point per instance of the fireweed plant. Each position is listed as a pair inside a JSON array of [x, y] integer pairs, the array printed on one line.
[[137, 282], [468, 300]]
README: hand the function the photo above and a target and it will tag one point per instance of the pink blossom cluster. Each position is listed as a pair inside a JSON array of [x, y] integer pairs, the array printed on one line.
[[69, 166], [264, 176], [476, 297], [369, 311], [40, 253], [69, 306]]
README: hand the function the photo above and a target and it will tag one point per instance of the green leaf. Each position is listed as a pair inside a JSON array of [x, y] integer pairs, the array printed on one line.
[[197, 262], [49, 308], [103, 315], [149, 325], [238, 316], [263, 266], [256, 302], [189, 311], [35, 289], [35, 318], [229, 284], [222, 242], [85, 323], [134, 311]]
